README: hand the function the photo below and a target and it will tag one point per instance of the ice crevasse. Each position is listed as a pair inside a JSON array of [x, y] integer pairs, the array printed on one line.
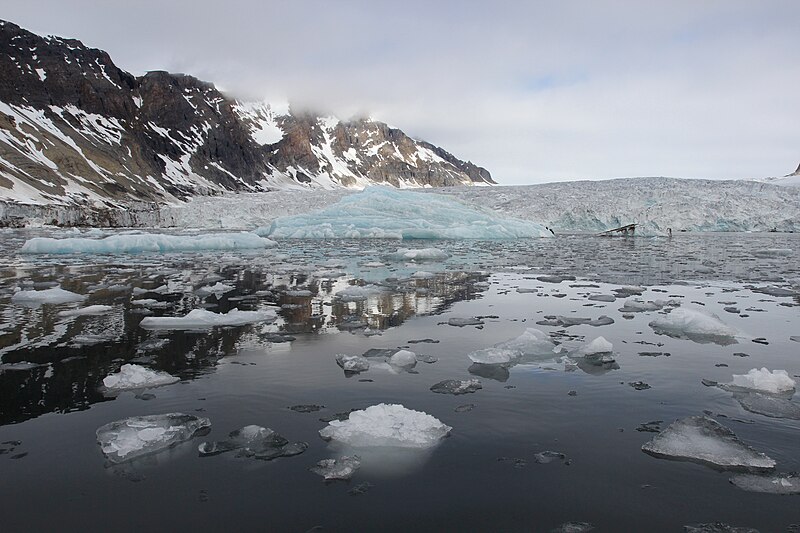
[[385, 213]]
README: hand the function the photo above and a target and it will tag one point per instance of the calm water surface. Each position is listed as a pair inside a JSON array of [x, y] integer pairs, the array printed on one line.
[[484, 476]]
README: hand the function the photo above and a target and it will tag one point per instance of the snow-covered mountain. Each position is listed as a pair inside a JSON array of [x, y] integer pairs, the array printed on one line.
[[76, 130], [789, 180]]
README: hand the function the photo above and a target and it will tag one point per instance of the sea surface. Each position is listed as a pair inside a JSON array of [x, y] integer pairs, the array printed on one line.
[[484, 476]]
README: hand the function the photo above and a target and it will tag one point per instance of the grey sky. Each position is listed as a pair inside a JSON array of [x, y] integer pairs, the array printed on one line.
[[533, 91]]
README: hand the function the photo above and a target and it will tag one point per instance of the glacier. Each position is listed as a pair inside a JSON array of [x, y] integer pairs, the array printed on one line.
[[145, 242], [385, 213]]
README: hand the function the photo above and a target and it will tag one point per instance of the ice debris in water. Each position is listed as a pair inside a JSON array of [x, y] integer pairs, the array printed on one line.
[[419, 254], [56, 295], [218, 289], [638, 306], [89, 310], [573, 527], [254, 441], [137, 377], [352, 363], [692, 324], [356, 293], [457, 386], [124, 440], [767, 404], [461, 322], [146, 242], [567, 321], [387, 425], [387, 213], [342, 468], [703, 439], [598, 346], [717, 527], [404, 359], [763, 380], [777, 484], [201, 318], [531, 345]]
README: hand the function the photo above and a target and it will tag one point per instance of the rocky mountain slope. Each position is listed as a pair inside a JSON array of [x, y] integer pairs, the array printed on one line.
[[76, 130]]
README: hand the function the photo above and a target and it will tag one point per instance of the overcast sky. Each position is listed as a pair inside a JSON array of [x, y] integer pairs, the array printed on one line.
[[533, 91]]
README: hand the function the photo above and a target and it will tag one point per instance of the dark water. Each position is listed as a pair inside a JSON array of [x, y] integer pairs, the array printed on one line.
[[484, 476]]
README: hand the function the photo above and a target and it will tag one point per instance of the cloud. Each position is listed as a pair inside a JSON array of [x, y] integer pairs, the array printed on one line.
[[533, 91]]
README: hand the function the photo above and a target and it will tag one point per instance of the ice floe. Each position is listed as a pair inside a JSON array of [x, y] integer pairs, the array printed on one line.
[[457, 386], [124, 440], [137, 377], [352, 363], [532, 345], [342, 468], [89, 310], [253, 441], [694, 325], [55, 295], [201, 319], [145, 242], [703, 439], [386, 213], [418, 254], [763, 380], [387, 425]]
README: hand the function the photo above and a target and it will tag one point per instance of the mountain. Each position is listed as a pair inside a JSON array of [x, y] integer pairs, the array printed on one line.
[[76, 130], [789, 180]]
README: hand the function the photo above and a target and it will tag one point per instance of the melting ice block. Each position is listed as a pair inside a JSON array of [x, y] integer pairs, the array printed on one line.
[[124, 440], [763, 380], [404, 359], [201, 319], [56, 295], [352, 363], [693, 324], [703, 439], [419, 254], [254, 441], [386, 213], [387, 425], [598, 346], [532, 345], [341, 468], [90, 310], [145, 242], [137, 377]]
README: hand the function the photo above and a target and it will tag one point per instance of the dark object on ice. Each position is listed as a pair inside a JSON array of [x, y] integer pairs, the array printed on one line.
[[761, 340], [417, 341]]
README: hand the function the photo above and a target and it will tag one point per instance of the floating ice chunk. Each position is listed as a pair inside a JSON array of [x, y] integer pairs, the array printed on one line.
[[461, 322], [356, 293], [342, 468], [494, 355], [254, 441], [352, 363], [146, 242], [56, 295], [419, 254], [703, 439], [573, 527], [124, 440], [763, 380], [768, 405], [201, 319], [532, 343], [717, 527], [404, 359], [457, 386], [567, 321], [773, 252], [598, 346], [218, 289], [638, 306], [387, 425], [90, 310], [387, 213], [695, 325], [777, 484], [137, 377]]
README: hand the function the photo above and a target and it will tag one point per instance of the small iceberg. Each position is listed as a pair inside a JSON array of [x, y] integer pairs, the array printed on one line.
[[777, 484], [704, 440], [533, 345], [90, 310], [694, 325], [342, 468], [403, 360], [353, 364], [387, 213], [137, 377], [56, 295], [202, 319], [128, 439], [775, 382], [419, 254], [218, 289], [387, 425], [145, 242]]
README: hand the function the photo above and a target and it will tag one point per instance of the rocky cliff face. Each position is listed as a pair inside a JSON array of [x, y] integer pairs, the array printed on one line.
[[77, 130]]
